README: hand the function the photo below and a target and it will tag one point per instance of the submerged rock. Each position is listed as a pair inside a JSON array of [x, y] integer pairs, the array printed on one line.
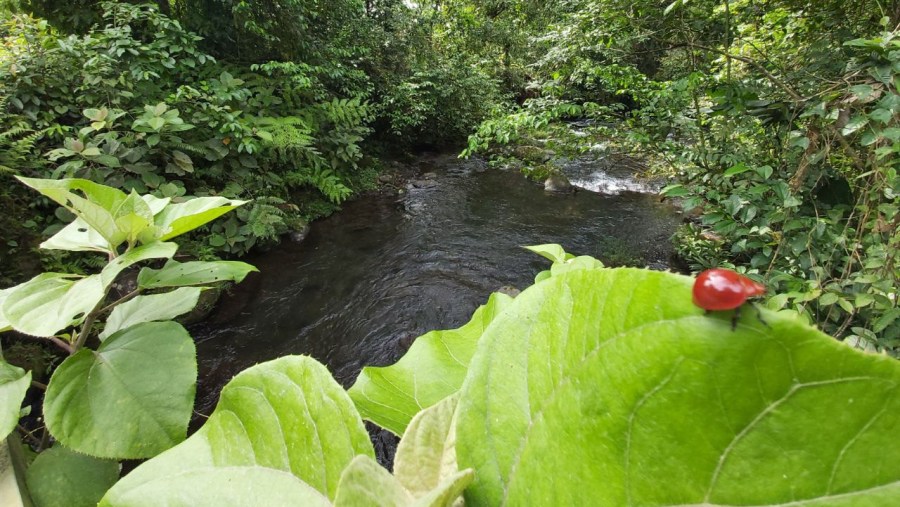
[[299, 235], [559, 184]]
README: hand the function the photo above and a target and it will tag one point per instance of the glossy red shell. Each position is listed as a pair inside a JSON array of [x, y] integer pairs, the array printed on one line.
[[723, 289]]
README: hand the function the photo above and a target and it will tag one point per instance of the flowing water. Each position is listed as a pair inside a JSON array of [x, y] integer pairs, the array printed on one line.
[[388, 268]]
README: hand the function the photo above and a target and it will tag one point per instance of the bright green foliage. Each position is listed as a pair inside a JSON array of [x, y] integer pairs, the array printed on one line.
[[145, 374], [425, 462], [155, 307], [59, 477], [145, 367], [14, 382], [287, 415], [433, 369], [613, 379]]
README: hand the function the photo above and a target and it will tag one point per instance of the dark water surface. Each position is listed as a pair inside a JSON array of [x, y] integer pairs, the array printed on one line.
[[391, 267]]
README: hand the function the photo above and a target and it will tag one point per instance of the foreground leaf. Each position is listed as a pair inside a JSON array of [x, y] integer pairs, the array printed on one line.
[[609, 387], [224, 486], [433, 369], [78, 236], [155, 307], [426, 456], [177, 219], [131, 398], [51, 302], [62, 478], [179, 274], [365, 483], [14, 382], [288, 415]]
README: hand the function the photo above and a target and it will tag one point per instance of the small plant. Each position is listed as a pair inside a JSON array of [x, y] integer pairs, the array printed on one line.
[[126, 388]]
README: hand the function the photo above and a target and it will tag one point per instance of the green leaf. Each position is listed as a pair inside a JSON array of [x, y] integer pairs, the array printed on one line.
[[51, 302], [857, 122], [432, 369], [238, 485], [156, 250], [62, 478], [14, 382], [145, 376], [881, 115], [151, 308], [365, 483], [738, 169], [4, 322], [179, 274], [609, 387], [177, 219], [95, 207], [553, 252], [287, 415], [425, 463], [156, 123]]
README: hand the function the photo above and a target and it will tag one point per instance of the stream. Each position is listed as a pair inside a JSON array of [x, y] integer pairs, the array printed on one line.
[[389, 267]]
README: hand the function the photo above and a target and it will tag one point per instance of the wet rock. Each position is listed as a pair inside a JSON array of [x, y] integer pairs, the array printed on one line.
[[299, 235], [509, 290], [405, 340], [558, 184], [533, 154]]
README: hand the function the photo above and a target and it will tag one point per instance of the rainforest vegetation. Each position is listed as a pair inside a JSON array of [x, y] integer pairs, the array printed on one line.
[[229, 123]]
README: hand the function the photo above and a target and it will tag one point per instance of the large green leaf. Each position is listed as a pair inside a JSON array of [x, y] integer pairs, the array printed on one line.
[[177, 219], [365, 483], [51, 302], [4, 322], [151, 308], [178, 274], [78, 236], [131, 398], [426, 456], [433, 369], [609, 387], [95, 205], [287, 415], [223, 486], [62, 478], [14, 382]]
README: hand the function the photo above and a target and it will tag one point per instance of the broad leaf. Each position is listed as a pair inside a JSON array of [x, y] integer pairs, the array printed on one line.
[[552, 252], [14, 382], [426, 455], [157, 250], [433, 369], [178, 274], [177, 219], [365, 483], [151, 308], [95, 205], [51, 302], [609, 387], [78, 236], [62, 478], [237, 486], [425, 463], [131, 398], [287, 415], [4, 322]]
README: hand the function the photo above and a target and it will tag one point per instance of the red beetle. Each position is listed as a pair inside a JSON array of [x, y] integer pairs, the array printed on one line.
[[723, 289]]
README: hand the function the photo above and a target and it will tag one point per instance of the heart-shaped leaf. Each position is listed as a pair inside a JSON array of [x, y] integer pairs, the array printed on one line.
[[131, 398], [62, 478]]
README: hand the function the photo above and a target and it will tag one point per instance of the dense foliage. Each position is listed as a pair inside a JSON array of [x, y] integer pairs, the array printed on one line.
[[775, 121]]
